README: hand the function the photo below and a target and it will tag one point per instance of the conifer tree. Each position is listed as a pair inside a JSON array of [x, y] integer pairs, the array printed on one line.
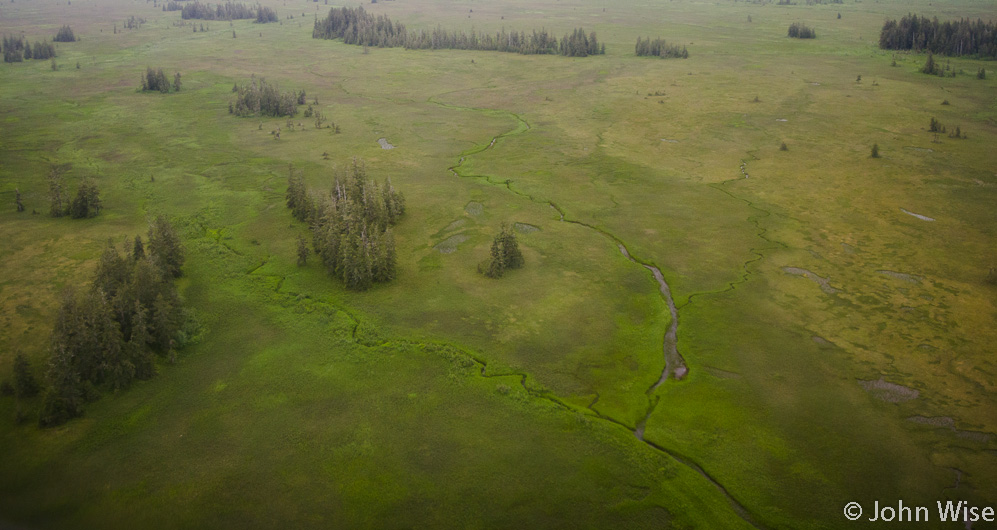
[[25, 384], [165, 248], [87, 202], [303, 251], [17, 200], [138, 249]]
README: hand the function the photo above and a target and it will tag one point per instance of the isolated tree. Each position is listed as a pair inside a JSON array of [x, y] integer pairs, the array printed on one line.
[[25, 384], [303, 251], [982, 74], [875, 151], [783, 147], [504, 254], [801, 31], [65, 34], [176, 82], [17, 200], [87, 202], [934, 125]]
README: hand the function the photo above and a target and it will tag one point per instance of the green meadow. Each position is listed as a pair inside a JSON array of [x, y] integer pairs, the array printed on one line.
[[839, 348]]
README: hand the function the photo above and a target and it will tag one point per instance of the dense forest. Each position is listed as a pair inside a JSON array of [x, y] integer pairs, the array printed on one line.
[[351, 225], [109, 335], [356, 26], [659, 48], [962, 37], [263, 99]]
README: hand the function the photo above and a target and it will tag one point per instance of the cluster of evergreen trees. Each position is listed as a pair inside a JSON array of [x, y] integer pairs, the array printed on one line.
[[263, 99], [265, 15], [108, 335], [798, 30], [962, 37], [86, 204], [659, 48], [505, 254], [226, 11], [65, 34], [16, 49], [155, 80], [351, 225], [356, 26]]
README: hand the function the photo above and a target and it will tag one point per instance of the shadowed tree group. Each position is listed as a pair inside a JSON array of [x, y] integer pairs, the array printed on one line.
[[357, 26], [108, 335], [351, 225]]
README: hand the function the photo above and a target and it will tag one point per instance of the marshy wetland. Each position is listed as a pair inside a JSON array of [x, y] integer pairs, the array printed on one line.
[[730, 314]]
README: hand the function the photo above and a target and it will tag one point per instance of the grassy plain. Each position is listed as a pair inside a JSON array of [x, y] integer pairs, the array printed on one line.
[[445, 399]]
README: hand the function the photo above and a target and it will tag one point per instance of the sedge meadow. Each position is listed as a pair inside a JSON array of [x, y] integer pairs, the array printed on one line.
[[836, 312]]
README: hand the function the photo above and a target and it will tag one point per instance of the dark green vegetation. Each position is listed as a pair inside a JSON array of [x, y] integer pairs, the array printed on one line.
[[659, 48], [504, 254], [964, 37], [86, 203], [798, 30], [834, 311], [16, 49], [259, 98], [156, 81], [351, 226], [226, 11], [65, 34], [357, 26], [107, 336]]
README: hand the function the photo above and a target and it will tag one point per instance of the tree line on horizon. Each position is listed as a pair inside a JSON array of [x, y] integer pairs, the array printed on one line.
[[226, 11], [351, 225], [357, 26], [951, 38]]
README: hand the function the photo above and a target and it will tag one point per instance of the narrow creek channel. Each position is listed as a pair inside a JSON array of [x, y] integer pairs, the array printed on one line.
[[674, 363]]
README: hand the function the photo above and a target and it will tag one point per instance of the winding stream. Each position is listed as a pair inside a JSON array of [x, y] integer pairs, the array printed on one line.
[[674, 363]]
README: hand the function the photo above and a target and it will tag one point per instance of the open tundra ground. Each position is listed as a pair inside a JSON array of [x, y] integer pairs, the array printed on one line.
[[838, 347]]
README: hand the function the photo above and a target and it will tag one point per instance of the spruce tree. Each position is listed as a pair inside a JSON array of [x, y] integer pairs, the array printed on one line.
[[165, 248], [64, 398], [303, 251], [511, 255], [25, 384], [138, 249], [137, 348], [17, 200], [929, 66], [496, 265]]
